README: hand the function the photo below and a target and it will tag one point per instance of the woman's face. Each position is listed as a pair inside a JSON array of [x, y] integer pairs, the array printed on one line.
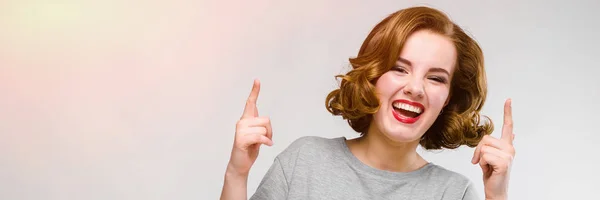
[[414, 92]]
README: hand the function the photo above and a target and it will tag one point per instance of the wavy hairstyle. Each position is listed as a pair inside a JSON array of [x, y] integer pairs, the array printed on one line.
[[460, 122]]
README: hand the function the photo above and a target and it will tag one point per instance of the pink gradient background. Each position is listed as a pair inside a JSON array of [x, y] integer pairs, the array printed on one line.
[[85, 86], [138, 99]]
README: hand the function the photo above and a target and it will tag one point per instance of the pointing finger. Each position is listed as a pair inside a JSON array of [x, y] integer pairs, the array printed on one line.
[[250, 110], [507, 128]]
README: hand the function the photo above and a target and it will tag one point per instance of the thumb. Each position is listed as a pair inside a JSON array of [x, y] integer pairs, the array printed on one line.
[[485, 168]]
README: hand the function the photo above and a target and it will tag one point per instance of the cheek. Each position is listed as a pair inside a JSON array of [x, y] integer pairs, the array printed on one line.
[[437, 96], [386, 86]]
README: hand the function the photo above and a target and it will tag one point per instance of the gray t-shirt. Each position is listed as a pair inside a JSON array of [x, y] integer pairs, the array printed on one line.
[[322, 168]]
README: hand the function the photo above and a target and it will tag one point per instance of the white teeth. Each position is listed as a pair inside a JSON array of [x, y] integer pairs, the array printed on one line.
[[408, 107]]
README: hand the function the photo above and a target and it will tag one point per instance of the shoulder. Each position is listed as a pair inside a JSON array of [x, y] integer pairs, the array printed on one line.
[[312, 148], [308, 144], [441, 173], [314, 142], [454, 183]]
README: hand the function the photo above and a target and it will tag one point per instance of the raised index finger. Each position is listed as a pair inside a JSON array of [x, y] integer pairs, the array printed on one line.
[[250, 109], [507, 128]]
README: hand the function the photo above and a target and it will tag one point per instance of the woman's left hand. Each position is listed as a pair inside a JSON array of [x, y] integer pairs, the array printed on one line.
[[495, 157]]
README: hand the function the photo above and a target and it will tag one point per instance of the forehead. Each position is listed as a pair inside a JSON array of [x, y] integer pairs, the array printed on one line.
[[429, 50]]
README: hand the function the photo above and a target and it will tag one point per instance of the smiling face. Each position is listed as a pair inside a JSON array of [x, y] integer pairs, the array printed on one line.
[[414, 91]]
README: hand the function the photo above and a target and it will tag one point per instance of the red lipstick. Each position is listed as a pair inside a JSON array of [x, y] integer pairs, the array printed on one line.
[[405, 119]]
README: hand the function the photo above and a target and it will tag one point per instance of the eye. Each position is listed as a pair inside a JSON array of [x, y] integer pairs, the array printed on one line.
[[438, 79], [400, 69]]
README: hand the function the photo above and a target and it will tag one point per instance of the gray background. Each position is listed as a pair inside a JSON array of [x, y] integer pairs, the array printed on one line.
[[139, 100]]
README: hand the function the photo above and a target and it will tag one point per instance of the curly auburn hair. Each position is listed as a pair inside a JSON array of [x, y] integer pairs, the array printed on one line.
[[460, 122]]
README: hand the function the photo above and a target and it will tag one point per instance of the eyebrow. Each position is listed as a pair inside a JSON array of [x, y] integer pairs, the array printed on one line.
[[437, 69], [404, 61], [440, 70]]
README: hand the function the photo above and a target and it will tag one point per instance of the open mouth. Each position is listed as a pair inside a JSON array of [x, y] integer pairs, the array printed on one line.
[[406, 111]]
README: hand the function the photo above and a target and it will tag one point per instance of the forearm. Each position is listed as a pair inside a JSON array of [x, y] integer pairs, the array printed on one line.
[[235, 186], [496, 198]]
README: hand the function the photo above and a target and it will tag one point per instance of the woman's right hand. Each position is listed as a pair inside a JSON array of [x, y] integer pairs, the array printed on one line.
[[251, 132]]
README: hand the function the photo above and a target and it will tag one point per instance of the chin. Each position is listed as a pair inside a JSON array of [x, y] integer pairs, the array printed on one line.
[[399, 132], [397, 128], [402, 134]]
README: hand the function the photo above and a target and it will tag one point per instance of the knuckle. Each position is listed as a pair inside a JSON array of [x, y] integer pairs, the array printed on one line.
[[506, 164], [505, 157], [266, 119], [263, 130], [239, 124], [487, 138], [485, 157]]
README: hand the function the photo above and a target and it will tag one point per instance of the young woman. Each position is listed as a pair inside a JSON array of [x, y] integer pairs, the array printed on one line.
[[418, 79]]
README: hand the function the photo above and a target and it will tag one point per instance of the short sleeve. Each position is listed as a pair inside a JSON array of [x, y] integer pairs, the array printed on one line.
[[471, 193], [273, 185]]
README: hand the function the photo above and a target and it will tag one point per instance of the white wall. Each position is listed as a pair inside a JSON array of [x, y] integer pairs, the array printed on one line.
[[139, 99]]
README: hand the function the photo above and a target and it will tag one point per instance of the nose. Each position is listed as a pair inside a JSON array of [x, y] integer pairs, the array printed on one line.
[[414, 88]]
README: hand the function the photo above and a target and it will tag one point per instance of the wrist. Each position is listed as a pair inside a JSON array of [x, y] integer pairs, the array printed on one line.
[[232, 173], [496, 198]]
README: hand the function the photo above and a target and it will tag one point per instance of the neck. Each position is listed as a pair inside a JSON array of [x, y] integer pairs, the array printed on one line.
[[377, 151]]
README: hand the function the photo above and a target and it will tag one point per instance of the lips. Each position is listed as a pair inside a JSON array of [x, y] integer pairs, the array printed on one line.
[[406, 111]]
